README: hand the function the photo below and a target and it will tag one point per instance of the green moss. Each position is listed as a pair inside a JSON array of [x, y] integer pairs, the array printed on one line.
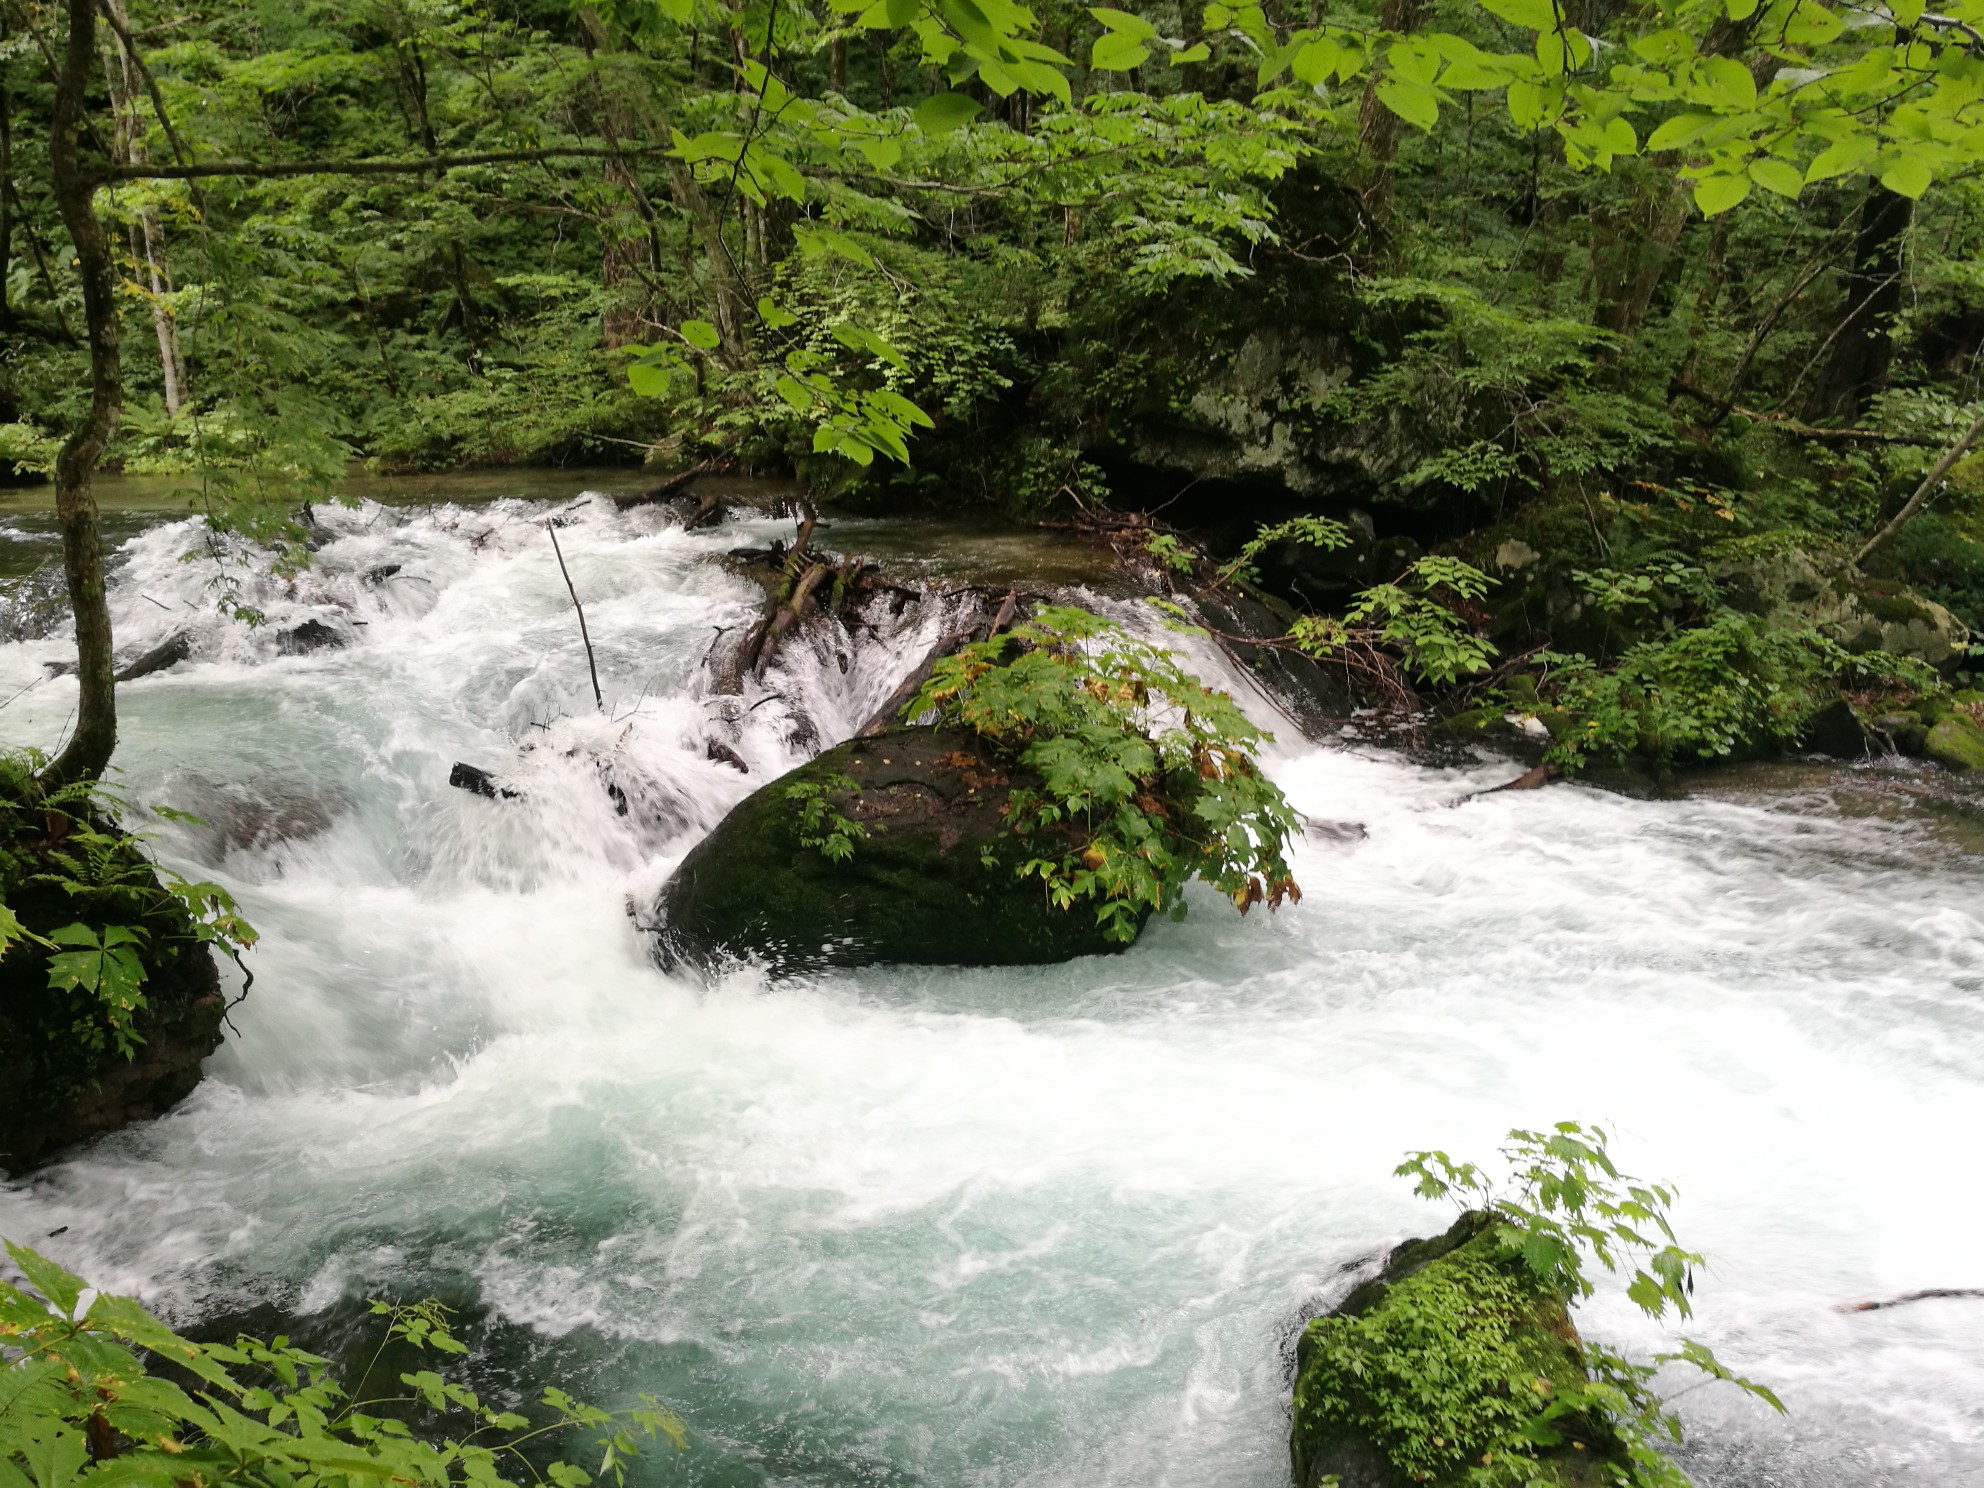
[[1433, 1378], [1958, 742]]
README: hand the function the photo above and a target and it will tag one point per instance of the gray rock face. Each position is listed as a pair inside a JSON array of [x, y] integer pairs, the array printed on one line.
[[1791, 589], [1263, 416]]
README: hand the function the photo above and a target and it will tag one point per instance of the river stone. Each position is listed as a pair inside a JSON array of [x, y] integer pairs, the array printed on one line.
[[934, 882], [1958, 742], [1361, 1368], [55, 1091]]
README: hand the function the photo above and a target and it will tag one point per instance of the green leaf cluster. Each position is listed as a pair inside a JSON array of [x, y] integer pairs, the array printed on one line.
[[1149, 778], [96, 1392]]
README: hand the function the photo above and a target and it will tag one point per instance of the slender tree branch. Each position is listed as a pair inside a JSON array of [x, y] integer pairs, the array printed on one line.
[[268, 169], [117, 24], [1923, 492]]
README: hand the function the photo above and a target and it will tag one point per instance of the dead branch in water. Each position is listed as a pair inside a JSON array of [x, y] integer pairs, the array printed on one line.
[[1926, 1295], [598, 697]]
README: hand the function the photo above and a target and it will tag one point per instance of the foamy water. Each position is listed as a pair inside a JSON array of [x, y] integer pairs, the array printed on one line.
[[1043, 1226]]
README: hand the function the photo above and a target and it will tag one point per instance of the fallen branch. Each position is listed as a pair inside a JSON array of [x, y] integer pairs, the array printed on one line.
[[1815, 432], [1923, 492], [787, 615], [598, 698], [668, 489], [1927, 1294]]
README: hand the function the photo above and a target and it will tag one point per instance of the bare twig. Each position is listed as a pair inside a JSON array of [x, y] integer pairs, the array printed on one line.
[[599, 698]]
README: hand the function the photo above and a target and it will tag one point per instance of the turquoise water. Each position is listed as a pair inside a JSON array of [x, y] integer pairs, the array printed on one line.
[[1019, 1227]]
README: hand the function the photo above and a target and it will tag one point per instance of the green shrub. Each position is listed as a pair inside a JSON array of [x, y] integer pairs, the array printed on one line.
[[1150, 778], [107, 1396]]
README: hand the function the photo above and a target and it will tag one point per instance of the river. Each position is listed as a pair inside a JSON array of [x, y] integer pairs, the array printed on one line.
[[1042, 1226]]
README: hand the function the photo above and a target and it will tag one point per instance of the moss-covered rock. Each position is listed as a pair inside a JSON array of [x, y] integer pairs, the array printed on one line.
[[62, 1080], [1429, 1372], [1958, 741], [933, 876]]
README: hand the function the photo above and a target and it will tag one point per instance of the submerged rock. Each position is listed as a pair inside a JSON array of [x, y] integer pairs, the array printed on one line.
[[1427, 1373], [932, 877], [311, 635]]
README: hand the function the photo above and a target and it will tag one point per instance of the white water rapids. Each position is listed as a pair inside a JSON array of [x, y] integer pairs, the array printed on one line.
[[986, 1227]]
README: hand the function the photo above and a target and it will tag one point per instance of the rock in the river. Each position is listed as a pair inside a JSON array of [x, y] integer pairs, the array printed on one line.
[[933, 881], [311, 635], [56, 1087], [1836, 731], [1958, 742], [1457, 1319]]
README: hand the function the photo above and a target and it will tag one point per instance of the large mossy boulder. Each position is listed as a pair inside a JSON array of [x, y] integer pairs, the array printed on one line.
[[932, 877], [1430, 1370], [62, 1079]]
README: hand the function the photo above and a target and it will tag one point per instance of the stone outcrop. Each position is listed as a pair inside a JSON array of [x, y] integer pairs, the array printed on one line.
[[932, 876], [58, 1084], [1428, 1372]]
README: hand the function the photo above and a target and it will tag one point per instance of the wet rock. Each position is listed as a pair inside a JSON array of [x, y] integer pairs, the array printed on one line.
[[1361, 1369], [934, 880], [1836, 731], [1958, 742], [168, 653], [478, 781], [1317, 698], [56, 1088], [311, 635], [373, 577], [721, 752]]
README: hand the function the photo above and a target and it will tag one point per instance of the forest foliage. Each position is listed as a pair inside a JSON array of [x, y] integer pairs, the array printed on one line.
[[1633, 288]]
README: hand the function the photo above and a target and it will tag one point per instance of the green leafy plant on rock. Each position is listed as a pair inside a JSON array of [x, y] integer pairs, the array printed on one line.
[[821, 827], [95, 1392], [1460, 1364], [61, 853], [1150, 779]]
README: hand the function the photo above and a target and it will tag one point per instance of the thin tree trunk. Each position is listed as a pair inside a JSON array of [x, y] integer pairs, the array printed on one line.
[[6, 195], [1923, 492], [1864, 346], [1377, 126], [147, 234], [90, 747]]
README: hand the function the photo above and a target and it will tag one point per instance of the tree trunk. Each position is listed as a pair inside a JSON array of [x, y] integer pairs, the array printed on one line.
[[1377, 126], [6, 195], [95, 738], [1863, 346], [1632, 246], [147, 234]]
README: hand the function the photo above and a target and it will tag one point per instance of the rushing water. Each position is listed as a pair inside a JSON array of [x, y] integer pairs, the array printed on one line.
[[1012, 1227]]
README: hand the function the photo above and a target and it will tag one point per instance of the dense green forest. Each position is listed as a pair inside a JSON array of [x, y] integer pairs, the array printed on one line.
[[1595, 380], [1266, 263], [1654, 318]]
